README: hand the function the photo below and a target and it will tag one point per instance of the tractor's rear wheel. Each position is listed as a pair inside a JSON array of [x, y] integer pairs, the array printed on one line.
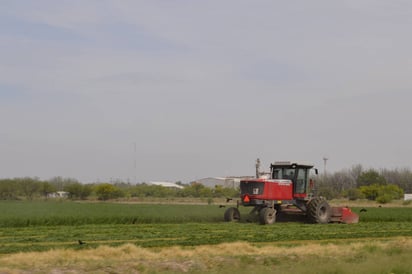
[[319, 211], [267, 216], [232, 214]]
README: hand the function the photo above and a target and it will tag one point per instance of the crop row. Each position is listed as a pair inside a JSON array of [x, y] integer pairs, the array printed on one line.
[[21, 214], [191, 234]]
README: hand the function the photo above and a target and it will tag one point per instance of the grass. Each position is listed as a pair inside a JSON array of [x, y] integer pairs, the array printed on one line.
[[42, 237], [54, 213], [385, 214], [239, 257], [40, 213], [40, 226]]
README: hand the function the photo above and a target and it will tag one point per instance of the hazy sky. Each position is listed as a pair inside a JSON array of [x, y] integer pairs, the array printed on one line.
[[192, 89]]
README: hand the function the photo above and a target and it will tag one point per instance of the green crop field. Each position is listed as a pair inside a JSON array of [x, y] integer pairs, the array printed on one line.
[[20, 214], [40, 226], [57, 213], [43, 225]]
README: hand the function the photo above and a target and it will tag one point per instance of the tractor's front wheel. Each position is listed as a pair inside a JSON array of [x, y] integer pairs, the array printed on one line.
[[319, 211], [267, 216], [232, 214]]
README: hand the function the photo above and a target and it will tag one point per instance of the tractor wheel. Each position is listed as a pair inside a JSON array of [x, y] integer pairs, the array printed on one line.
[[319, 211], [267, 216], [232, 214]]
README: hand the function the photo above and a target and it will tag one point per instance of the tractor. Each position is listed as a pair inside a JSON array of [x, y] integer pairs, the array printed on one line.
[[288, 190]]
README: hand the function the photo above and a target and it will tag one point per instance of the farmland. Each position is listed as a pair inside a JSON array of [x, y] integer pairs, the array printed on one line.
[[53, 227]]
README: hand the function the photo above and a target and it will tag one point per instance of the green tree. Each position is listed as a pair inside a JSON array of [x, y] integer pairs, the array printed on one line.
[[220, 191], [371, 192], [382, 193], [196, 190], [107, 191], [370, 177], [74, 189], [78, 191], [28, 186], [86, 191], [8, 189], [394, 192], [46, 188], [354, 194], [399, 177]]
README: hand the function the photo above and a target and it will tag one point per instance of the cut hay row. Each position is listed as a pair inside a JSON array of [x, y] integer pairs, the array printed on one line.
[[389, 256], [41, 238]]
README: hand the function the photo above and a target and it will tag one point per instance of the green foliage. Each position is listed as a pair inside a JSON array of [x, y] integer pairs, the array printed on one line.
[[382, 193], [334, 185], [354, 194], [340, 183], [407, 202], [46, 188], [31, 188], [144, 190], [371, 177], [8, 189], [195, 190], [327, 191], [399, 177], [370, 191], [220, 191], [28, 186], [108, 191], [394, 191], [384, 198], [78, 191]]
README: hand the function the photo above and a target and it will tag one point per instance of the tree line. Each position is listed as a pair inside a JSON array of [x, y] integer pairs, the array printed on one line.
[[34, 188], [356, 182]]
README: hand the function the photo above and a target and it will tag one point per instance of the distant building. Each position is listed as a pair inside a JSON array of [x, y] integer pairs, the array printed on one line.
[[58, 194], [407, 197], [229, 182], [166, 184]]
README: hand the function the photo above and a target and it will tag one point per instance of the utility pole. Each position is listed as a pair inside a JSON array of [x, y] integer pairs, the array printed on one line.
[[135, 163], [325, 159]]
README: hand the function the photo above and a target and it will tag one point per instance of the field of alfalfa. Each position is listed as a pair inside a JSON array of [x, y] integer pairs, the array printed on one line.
[[43, 237]]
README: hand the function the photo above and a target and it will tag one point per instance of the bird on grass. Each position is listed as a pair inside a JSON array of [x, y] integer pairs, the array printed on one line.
[[220, 206], [363, 210], [81, 242]]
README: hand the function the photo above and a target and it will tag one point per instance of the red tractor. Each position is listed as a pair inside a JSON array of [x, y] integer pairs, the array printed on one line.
[[289, 191]]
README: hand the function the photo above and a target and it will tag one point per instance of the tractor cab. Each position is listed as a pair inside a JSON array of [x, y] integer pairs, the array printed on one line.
[[299, 174]]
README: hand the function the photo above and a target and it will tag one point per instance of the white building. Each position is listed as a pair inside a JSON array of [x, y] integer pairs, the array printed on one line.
[[166, 184], [230, 182], [58, 194], [407, 197]]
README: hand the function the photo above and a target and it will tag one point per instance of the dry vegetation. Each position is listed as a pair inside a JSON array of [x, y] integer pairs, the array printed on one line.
[[383, 256]]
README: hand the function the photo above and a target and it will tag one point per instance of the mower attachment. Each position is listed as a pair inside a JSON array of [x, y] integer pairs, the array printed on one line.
[[344, 215]]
